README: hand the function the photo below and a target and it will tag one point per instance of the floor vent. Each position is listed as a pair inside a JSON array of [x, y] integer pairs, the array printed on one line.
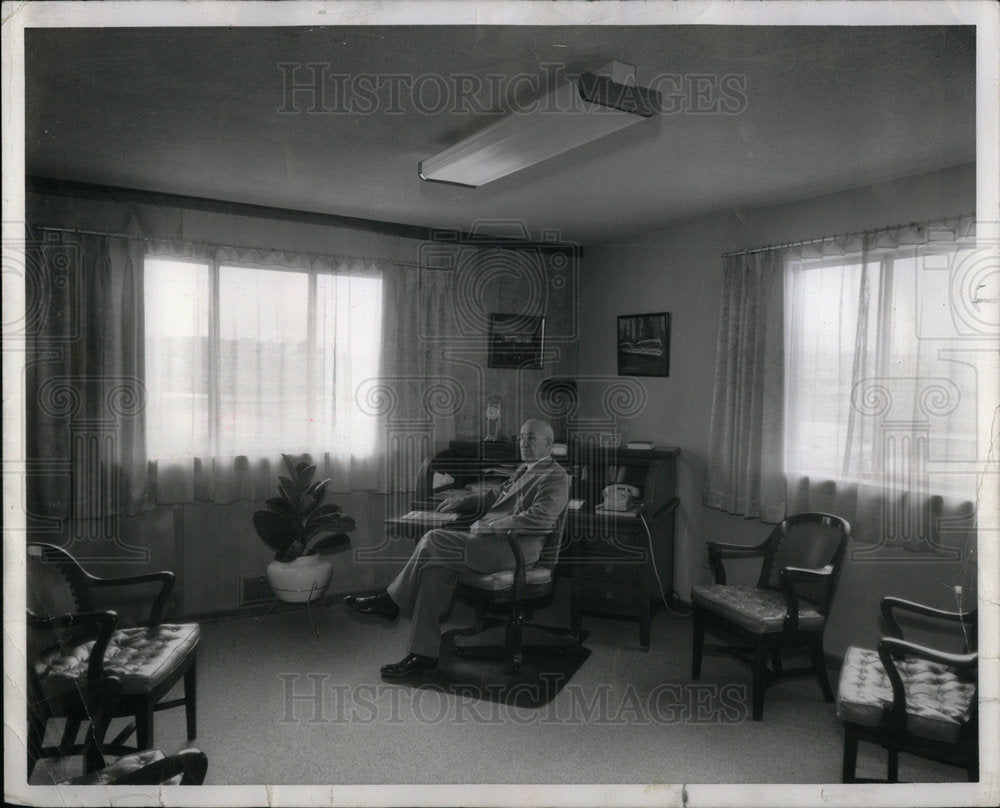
[[254, 590]]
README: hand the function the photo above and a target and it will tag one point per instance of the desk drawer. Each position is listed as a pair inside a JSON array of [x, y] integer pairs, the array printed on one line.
[[625, 546], [605, 585]]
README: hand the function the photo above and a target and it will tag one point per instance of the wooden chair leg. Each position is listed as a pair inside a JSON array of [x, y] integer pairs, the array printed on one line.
[[760, 655], [819, 663], [36, 737], [893, 765], [849, 772], [144, 725], [697, 641], [70, 732], [191, 700]]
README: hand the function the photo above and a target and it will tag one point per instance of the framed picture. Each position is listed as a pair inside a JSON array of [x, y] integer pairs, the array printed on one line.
[[644, 344], [516, 341]]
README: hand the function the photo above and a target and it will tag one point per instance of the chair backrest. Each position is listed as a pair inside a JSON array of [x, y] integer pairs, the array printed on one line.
[[54, 582], [809, 540], [553, 543]]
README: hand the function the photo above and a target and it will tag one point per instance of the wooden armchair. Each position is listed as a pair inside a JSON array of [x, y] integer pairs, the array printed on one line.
[[910, 698], [515, 593], [788, 606], [72, 647]]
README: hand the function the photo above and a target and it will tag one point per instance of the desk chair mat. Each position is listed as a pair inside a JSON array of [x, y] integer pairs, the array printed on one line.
[[541, 677]]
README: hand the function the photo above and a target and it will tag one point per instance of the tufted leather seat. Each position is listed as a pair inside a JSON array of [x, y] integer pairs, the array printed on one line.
[[149, 767], [140, 657], [761, 611], [123, 766], [938, 702]]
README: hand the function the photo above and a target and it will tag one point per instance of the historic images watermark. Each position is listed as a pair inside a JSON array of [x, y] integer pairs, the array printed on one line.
[[316, 88], [312, 698]]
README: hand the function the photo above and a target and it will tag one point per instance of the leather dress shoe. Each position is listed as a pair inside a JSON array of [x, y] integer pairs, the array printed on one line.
[[377, 603], [410, 665]]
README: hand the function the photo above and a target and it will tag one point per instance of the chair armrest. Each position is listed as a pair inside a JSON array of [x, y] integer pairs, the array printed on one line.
[[190, 763], [103, 623], [165, 577], [788, 577], [888, 604], [520, 571], [890, 648], [718, 550]]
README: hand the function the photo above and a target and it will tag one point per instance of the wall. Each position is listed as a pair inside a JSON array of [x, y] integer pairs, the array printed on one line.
[[679, 269], [213, 548]]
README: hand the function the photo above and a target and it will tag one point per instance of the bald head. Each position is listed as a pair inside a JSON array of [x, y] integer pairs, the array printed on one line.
[[536, 440]]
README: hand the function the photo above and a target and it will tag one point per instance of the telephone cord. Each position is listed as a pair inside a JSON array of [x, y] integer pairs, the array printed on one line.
[[652, 557]]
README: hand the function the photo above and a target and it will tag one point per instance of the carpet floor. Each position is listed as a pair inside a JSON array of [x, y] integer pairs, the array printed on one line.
[[280, 704]]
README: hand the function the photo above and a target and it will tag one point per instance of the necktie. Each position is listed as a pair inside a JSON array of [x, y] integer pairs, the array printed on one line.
[[517, 475]]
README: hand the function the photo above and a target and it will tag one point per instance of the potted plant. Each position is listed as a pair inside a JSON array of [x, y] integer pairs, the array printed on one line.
[[299, 527]]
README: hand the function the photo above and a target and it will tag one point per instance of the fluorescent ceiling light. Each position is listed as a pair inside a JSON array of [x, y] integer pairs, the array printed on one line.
[[576, 112]]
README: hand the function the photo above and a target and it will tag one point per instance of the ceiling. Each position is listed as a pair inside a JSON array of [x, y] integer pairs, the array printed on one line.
[[200, 112]]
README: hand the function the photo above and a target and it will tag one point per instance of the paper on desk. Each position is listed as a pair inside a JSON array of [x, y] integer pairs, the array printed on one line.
[[440, 479], [430, 516]]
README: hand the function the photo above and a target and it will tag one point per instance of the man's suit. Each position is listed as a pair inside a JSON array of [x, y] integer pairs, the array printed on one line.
[[532, 500]]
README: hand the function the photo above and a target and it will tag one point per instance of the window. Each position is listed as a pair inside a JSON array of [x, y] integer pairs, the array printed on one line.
[[877, 390], [257, 361]]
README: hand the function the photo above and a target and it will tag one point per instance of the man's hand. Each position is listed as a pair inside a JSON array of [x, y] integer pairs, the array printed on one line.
[[481, 528], [450, 504]]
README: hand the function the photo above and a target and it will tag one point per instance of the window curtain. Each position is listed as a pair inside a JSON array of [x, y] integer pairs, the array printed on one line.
[[882, 398], [421, 391], [88, 423], [85, 396], [295, 338], [847, 382], [744, 473]]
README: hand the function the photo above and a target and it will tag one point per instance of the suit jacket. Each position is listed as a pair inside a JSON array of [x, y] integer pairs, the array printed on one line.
[[532, 502]]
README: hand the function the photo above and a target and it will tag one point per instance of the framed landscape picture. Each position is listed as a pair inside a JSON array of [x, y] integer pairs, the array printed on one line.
[[644, 344], [516, 341]]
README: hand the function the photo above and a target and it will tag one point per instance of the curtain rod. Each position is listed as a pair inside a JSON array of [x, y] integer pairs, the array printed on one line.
[[190, 243], [847, 235]]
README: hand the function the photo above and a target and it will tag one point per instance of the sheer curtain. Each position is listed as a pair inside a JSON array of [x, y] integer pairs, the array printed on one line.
[[868, 405], [881, 409], [251, 355], [744, 473], [84, 390]]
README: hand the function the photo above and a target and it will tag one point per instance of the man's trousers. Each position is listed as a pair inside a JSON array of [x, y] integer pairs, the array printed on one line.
[[427, 582]]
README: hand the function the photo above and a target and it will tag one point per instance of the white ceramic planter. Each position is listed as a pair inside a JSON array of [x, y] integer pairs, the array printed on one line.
[[306, 578]]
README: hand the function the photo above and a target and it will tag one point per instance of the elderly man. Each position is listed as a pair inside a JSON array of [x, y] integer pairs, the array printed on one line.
[[531, 500]]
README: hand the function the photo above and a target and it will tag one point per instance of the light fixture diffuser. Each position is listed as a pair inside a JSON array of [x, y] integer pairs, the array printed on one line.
[[574, 113]]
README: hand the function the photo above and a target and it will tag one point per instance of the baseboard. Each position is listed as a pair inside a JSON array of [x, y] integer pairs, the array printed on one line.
[[255, 609]]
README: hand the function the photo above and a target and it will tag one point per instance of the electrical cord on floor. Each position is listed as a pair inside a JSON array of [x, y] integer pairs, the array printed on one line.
[[652, 557]]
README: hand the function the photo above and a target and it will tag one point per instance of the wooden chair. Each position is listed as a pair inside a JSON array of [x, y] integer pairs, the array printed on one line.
[[515, 593], [788, 606], [910, 698], [71, 644]]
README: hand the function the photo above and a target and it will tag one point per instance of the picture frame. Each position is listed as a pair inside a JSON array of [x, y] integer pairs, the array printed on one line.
[[644, 344], [515, 341]]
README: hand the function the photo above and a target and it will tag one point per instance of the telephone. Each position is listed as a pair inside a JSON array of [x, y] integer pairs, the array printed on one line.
[[619, 497]]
